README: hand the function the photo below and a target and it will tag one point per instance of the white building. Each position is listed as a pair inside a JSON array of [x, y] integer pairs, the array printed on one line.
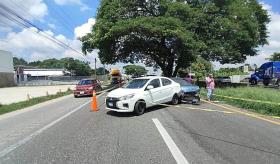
[[6, 69], [44, 72]]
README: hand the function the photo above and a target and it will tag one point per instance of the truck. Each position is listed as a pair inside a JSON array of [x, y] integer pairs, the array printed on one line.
[[116, 76], [268, 73]]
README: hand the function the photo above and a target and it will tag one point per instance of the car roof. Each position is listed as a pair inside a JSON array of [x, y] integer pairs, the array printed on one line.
[[151, 77]]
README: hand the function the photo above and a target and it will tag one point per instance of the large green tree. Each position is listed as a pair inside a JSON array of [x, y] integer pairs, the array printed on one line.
[[275, 57], [19, 61], [201, 68], [80, 68], [136, 70], [170, 34]]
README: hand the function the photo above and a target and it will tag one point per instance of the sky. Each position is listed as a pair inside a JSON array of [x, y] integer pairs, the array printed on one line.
[[67, 20]]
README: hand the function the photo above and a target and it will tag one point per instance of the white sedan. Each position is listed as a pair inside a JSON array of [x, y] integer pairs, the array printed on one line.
[[141, 93]]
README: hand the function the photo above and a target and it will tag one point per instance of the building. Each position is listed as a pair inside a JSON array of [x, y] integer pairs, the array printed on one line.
[[6, 69], [25, 73]]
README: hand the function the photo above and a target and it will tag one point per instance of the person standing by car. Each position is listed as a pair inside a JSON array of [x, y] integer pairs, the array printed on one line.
[[210, 86]]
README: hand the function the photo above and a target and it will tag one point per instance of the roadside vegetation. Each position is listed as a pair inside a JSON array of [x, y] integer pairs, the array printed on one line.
[[20, 105], [266, 101]]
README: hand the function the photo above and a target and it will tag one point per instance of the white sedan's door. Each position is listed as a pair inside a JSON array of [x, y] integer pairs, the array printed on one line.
[[167, 90], [154, 96]]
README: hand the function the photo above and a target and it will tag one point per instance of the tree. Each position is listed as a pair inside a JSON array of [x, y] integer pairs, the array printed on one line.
[[201, 68], [101, 71], [135, 70], [228, 72], [80, 68], [19, 61], [170, 34], [275, 57]]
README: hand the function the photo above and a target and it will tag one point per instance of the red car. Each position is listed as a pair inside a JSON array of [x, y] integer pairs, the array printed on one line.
[[86, 86]]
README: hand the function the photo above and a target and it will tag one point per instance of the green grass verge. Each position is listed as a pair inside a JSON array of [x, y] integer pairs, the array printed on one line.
[[20, 105], [262, 94]]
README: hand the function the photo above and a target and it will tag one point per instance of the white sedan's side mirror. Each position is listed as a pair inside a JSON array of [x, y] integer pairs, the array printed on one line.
[[149, 87]]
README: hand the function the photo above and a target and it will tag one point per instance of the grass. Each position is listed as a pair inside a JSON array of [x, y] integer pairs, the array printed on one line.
[[20, 105], [259, 94]]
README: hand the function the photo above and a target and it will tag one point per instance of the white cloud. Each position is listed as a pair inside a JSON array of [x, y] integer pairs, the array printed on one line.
[[30, 45], [29, 9], [83, 6], [52, 26], [82, 30]]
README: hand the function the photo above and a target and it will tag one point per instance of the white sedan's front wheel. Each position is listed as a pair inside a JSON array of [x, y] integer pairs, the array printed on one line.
[[175, 100], [139, 108]]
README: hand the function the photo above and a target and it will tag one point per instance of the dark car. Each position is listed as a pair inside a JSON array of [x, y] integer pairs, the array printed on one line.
[[189, 92], [86, 86]]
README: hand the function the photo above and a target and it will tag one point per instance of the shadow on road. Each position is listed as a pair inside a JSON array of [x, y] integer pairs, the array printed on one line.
[[131, 114]]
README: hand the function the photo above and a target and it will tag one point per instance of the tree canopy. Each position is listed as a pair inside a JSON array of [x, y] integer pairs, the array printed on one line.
[[170, 34], [101, 71], [201, 68], [19, 61], [135, 70], [275, 57]]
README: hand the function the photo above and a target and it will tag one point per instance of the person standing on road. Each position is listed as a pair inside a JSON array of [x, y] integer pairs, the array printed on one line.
[[210, 86]]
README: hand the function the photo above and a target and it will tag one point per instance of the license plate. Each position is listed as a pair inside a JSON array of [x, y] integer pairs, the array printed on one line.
[[82, 92], [110, 104]]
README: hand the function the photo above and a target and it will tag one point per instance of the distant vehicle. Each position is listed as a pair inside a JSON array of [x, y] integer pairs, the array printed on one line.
[[86, 86], [222, 79], [141, 93], [267, 73], [116, 76], [189, 92]]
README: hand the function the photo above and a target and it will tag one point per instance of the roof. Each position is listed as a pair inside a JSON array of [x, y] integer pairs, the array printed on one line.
[[42, 69]]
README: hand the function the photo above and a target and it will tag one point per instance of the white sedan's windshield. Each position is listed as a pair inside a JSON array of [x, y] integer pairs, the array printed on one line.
[[136, 83]]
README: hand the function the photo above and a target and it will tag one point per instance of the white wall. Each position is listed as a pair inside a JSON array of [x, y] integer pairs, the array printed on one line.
[[6, 62]]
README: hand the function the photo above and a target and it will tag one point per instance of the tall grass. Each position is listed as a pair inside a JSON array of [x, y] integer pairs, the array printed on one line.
[[262, 94]]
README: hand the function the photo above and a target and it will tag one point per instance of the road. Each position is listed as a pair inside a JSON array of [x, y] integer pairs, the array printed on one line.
[[66, 131]]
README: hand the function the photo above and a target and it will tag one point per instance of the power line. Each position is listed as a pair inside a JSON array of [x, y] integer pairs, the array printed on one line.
[[27, 24]]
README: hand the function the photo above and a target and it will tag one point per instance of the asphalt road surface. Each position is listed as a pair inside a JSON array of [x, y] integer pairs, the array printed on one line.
[[66, 131]]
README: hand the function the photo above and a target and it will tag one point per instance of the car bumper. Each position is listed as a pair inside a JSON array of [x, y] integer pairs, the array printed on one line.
[[83, 93], [120, 105], [190, 96]]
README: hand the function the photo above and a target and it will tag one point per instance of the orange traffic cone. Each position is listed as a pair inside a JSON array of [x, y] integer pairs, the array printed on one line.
[[94, 102]]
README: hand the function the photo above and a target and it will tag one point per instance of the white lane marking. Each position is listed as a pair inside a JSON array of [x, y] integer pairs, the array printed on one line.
[[36, 133], [177, 154]]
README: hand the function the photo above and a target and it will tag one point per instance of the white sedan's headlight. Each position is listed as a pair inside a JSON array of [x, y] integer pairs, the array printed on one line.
[[126, 97]]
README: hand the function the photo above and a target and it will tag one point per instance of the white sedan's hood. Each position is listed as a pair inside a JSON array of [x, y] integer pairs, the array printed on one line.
[[122, 92]]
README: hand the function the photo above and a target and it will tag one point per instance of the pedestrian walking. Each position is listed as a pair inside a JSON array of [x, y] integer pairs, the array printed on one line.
[[210, 86]]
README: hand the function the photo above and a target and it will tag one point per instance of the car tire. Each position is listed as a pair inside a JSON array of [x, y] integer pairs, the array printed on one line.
[[98, 89], [266, 82], [254, 82], [175, 100], [139, 108], [75, 96]]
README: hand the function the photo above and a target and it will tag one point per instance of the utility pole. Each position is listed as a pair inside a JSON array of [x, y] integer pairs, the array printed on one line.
[[95, 68]]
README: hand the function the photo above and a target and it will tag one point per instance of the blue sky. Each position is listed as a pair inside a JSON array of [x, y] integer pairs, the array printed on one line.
[[67, 19]]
